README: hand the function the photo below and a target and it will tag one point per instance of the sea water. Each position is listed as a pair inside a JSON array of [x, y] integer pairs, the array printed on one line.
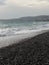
[[10, 28]]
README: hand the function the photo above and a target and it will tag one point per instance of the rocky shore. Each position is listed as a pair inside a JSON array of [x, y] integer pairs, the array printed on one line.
[[33, 51]]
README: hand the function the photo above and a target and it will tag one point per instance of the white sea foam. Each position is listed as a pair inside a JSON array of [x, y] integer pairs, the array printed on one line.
[[8, 40], [14, 32]]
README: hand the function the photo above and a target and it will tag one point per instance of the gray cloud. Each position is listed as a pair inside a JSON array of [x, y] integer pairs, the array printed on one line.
[[12, 10], [2, 2]]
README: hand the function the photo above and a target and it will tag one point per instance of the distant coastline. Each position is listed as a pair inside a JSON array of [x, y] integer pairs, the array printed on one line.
[[29, 18]]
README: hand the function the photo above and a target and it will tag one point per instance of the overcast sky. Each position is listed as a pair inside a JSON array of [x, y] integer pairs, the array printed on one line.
[[20, 8]]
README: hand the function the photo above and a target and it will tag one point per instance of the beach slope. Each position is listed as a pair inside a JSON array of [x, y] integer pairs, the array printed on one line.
[[33, 51]]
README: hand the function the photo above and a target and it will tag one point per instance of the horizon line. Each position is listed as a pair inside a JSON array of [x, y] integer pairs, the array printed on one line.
[[21, 17]]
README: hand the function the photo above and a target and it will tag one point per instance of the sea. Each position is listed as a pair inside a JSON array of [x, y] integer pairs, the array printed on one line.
[[11, 28]]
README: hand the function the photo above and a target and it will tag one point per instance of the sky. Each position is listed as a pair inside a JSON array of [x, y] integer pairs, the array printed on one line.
[[21, 8]]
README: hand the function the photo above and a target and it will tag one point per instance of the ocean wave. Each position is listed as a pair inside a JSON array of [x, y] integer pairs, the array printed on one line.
[[14, 29], [17, 31]]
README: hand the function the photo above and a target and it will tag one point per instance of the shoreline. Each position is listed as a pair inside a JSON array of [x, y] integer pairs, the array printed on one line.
[[33, 51], [9, 40]]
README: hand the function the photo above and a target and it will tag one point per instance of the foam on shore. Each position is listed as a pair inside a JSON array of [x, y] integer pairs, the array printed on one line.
[[8, 40]]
